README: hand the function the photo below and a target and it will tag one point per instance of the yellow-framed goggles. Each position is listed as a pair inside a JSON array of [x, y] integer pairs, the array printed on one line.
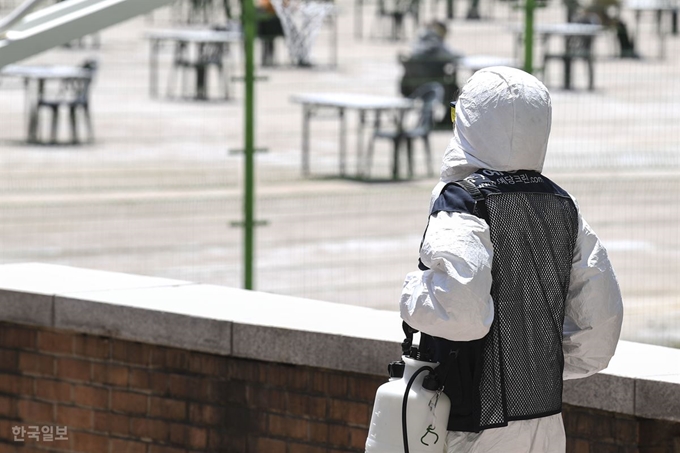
[[453, 111]]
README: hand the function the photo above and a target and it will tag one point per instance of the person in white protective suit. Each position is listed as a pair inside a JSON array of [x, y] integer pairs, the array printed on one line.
[[514, 291]]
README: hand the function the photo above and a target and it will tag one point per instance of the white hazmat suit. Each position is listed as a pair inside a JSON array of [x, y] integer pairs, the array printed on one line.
[[503, 120]]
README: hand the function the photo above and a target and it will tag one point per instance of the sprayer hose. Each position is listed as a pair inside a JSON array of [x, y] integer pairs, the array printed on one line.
[[405, 400]]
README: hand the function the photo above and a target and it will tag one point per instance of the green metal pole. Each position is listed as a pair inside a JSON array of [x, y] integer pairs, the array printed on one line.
[[249, 146], [529, 36]]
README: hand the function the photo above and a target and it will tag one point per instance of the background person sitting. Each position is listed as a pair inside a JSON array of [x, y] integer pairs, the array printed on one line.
[[268, 29], [430, 43], [431, 60], [605, 13]]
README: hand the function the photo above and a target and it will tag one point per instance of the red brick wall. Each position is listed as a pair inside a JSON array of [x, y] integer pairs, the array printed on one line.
[[118, 396], [593, 431]]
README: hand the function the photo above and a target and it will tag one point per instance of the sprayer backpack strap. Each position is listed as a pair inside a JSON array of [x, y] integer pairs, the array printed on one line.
[[476, 194], [471, 189]]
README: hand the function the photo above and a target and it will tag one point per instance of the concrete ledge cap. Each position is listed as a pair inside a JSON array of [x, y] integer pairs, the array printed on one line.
[[50, 279], [206, 318], [642, 380], [27, 290]]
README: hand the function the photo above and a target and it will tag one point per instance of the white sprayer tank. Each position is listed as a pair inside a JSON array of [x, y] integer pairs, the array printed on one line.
[[426, 427]]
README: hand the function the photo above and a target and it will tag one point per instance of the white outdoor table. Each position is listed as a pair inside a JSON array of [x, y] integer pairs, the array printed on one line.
[[565, 30], [195, 36], [39, 75], [340, 102], [660, 7], [473, 63]]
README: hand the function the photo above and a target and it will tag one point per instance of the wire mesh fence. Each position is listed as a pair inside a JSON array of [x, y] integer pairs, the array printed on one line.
[[159, 190]]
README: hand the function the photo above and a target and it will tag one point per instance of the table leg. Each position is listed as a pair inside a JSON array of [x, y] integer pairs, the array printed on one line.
[[662, 35], [638, 13], [358, 18], [397, 143], [225, 54], [360, 143], [334, 40], [201, 89], [343, 141], [518, 45], [568, 46], [306, 117], [153, 68], [567, 73], [32, 109], [201, 73], [395, 161]]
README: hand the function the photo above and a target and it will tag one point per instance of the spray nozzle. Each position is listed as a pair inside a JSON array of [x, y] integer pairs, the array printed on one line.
[[422, 351], [407, 344], [396, 369], [431, 382]]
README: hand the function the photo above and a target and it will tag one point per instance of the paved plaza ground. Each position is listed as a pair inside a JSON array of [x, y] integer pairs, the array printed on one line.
[[157, 191]]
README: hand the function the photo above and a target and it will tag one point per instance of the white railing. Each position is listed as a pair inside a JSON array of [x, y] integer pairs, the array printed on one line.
[[24, 33]]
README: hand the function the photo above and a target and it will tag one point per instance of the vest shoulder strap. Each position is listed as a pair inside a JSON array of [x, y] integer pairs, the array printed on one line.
[[480, 200], [472, 189]]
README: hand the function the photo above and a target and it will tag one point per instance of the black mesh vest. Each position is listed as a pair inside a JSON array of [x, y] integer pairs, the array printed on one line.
[[515, 372]]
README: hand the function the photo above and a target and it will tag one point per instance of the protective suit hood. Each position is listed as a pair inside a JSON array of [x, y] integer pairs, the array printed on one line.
[[503, 119]]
